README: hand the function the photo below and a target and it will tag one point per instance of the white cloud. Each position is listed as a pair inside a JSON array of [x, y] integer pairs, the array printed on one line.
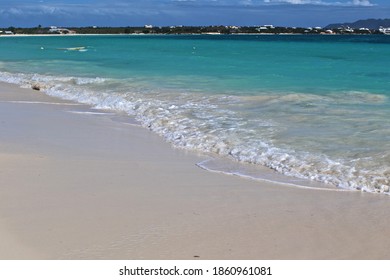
[[365, 3], [362, 3], [299, 2], [288, 1], [246, 2], [14, 11], [72, 10]]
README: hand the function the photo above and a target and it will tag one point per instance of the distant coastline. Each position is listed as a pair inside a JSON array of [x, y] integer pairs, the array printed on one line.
[[195, 30]]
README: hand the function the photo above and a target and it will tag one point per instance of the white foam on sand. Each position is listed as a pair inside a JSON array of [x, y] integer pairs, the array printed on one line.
[[208, 124], [76, 187]]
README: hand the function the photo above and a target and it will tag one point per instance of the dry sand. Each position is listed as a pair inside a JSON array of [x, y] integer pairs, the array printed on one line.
[[91, 186]]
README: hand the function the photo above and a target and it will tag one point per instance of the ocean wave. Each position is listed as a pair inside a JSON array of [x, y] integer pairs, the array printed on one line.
[[219, 124]]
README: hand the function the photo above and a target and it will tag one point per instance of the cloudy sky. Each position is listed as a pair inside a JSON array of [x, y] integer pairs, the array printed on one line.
[[27, 13]]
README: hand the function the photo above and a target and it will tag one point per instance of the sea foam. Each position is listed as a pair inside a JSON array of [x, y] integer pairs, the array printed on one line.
[[243, 129]]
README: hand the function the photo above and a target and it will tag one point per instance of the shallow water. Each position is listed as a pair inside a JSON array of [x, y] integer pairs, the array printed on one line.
[[310, 107]]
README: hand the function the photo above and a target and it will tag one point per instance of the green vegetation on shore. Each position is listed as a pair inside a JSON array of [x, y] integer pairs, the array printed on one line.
[[147, 29]]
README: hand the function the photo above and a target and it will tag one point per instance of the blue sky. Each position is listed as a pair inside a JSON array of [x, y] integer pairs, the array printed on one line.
[[27, 13]]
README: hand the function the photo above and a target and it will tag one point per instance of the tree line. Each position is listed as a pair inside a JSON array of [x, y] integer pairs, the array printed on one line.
[[186, 30]]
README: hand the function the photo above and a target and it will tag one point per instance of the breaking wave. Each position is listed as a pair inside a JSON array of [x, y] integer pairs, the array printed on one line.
[[300, 135]]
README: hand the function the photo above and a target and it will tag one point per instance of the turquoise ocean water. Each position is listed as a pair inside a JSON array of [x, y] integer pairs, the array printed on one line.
[[309, 107]]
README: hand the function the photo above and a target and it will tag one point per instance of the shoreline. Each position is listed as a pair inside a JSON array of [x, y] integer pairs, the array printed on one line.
[[192, 34], [79, 184], [182, 34]]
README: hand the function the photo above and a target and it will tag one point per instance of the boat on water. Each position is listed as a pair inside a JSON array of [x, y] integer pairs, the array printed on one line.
[[74, 49]]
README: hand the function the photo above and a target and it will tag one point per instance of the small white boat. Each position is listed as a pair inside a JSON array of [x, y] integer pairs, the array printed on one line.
[[73, 49]]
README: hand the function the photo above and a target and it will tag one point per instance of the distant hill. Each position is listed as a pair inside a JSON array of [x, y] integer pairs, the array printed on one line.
[[364, 23]]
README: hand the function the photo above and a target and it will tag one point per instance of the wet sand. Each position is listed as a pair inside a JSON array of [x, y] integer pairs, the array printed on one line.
[[77, 183]]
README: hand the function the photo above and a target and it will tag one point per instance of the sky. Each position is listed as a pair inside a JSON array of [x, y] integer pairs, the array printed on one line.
[[298, 13]]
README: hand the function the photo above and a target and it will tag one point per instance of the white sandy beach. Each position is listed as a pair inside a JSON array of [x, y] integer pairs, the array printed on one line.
[[90, 186]]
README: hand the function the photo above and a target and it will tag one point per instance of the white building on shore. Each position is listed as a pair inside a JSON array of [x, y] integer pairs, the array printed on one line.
[[57, 30]]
